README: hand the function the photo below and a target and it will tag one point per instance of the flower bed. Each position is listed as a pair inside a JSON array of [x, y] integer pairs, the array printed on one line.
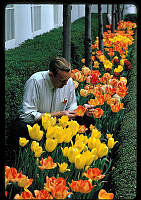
[[63, 159]]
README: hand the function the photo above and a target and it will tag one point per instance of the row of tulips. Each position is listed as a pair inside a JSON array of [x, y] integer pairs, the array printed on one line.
[[63, 159]]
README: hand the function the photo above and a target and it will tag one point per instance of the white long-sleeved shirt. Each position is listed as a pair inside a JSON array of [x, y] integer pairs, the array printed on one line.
[[40, 96]]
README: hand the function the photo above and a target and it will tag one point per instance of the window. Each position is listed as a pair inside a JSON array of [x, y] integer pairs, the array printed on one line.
[[9, 22], [35, 17]]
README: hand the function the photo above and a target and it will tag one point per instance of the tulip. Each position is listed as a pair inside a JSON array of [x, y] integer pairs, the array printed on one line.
[[47, 163], [81, 186], [63, 167], [74, 126], [96, 133], [51, 132], [24, 182], [34, 145], [42, 194], [109, 135], [60, 192], [50, 144], [38, 151], [63, 121], [86, 71], [98, 112], [79, 161], [79, 145], [82, 138], [67, 135], [24, 195], [104, 195], [93, 142], [72, 153], [93, 174], [102, 150], [53, 182], [34, 132], [65, 151], [80, 110], [76, 84], [111, 143], [82, 129], [23, 141]]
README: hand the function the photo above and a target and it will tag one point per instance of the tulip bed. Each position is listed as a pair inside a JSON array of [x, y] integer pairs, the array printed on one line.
[[63, 159]]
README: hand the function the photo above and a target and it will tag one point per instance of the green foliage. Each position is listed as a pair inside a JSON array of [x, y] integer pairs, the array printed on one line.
[[130, 17]]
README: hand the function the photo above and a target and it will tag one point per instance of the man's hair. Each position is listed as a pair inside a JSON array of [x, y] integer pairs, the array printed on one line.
[[59, 63]]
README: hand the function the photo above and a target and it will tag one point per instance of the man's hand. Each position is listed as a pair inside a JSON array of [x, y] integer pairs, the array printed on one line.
[[69, 113], [89, 110]]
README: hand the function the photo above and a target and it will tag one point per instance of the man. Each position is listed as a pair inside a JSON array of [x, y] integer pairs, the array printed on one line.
[[51, 92]]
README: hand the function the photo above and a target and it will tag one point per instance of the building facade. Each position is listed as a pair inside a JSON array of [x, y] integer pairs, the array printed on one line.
[[25, 21]]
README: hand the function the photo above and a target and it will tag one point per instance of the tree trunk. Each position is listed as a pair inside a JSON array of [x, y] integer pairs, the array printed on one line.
[[100, 28], [113, 18], [67, 32], [118, 10], [87, 41]]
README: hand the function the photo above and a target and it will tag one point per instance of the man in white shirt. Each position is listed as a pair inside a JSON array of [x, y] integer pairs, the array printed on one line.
[[50, 91]]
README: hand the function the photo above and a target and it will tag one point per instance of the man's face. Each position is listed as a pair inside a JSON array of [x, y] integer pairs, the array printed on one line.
[[60, 79]]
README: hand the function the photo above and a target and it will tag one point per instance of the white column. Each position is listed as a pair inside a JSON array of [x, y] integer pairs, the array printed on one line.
[[47, 17], [22, 23]]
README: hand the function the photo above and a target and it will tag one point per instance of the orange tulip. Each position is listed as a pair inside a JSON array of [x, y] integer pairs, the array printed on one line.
[[47, 163], [83, 186], [60, 192], [80, 110], [25, 195], [24, 182], [82, 129], [53, 182], [93, 174], [104, 195], [42, 194], [98, 112], [10, 173]]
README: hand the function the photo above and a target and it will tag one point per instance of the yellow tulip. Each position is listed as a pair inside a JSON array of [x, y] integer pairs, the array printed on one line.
[[79, 161], [34, 145], [109, 135], [93, 142], [89, 157], [94, 151], [72, 153], [65, 151], [83, 92], [74, 126], [111, 143], [34, 132], [59, 134], [67, 135], [63, 121], [79, 145], [63, 167], [50, 144], [82, 138], [48, 121], [38, 152], [23, 141], [102, 150], [96, 133]]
